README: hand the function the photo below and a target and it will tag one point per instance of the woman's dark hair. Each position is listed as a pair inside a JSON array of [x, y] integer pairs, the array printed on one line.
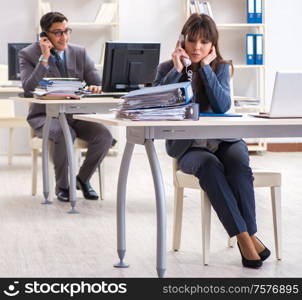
[[52, 17], [201, 26]]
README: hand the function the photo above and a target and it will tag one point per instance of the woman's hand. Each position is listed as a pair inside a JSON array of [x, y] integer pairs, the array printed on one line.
[[95, 89], [209, 58], [177, 54]]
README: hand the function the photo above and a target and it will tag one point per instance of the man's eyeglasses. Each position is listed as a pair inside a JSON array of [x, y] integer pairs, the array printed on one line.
[[59, 33]]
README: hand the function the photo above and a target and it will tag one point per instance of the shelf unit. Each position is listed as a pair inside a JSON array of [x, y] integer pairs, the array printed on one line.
[[87, 31], [249, 80]]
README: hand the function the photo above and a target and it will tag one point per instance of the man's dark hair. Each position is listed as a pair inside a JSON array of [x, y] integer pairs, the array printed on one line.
[[52, 17]]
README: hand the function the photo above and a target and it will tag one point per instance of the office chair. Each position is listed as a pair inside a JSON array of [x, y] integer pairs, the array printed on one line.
[[9, 120], [262, 178]]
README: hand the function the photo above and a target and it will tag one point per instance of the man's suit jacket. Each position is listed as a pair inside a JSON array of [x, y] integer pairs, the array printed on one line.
[[78, 64]]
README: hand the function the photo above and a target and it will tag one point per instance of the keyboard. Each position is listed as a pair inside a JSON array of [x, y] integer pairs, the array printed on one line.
[[103, 95]]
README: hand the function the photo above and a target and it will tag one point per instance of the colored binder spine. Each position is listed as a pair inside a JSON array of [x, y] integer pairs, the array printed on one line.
[[259, 49], [188, 92], [251, 16], [250, 49], [258, 11]]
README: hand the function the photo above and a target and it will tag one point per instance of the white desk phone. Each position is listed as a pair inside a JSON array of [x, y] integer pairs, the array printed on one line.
[[186, 61]]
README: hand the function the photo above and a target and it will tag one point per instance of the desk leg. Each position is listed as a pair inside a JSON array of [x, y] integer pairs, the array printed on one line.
[[160, 208], [71, 162], [121, 205], [45, 171]]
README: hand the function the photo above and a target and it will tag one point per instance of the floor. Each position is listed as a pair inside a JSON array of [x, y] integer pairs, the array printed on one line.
[[45, 241]]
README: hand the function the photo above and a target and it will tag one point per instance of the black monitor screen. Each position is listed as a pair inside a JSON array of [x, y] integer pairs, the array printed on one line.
[[13, 60], [129, 66]]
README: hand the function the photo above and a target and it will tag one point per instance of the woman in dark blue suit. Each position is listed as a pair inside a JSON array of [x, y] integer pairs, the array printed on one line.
[[221, 165]]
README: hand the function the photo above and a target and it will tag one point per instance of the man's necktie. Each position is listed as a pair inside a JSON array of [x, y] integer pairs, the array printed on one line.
[[60, 65]]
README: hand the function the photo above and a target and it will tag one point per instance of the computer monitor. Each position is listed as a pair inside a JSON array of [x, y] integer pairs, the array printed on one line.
[[13, 60], [129, 66]]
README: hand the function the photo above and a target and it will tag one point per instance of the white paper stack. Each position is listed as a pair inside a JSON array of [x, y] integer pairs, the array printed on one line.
[[51, 85], [59, 87]]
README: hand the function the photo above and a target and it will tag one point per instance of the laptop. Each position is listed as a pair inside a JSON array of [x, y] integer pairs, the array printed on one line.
[[287, 96]]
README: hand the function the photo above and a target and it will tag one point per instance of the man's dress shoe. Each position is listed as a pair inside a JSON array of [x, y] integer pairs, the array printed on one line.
[[88, 191], [63, 195]]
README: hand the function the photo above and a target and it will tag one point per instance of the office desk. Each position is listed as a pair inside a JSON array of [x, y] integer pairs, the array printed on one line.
[[145, 132], [58, 109], [9, 90]]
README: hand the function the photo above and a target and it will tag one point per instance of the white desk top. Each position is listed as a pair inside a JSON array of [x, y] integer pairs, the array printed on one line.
[[69, 101], [10, 89], [246, 120], [13, 122]]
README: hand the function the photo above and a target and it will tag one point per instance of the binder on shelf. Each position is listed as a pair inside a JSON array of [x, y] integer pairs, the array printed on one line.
[[45, 8], [202, 7], [258, 11], [209, 9], [250, 49], [258, 49], [106, 13], [197, 7], [192, 7], [205, 8], [251, 12]]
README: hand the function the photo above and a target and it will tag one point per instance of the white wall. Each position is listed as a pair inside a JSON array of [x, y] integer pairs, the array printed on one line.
[[140, 20], [159, 20], [284, 43]]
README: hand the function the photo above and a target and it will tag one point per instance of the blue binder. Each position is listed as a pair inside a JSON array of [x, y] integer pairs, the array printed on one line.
[[251, 13], [204, 114], [259, 49], [250, 49], [258, 11]]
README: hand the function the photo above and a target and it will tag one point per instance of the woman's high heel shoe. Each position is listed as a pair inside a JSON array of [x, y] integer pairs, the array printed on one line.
[[250, 263], [264, 254]]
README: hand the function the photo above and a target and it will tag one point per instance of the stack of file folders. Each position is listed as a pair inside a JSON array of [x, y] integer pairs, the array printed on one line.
[[165, 102], [59, 88]]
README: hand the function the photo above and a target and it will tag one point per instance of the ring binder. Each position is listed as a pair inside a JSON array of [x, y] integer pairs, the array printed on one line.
[[258, 11], [165, 102], [254, 11], [251, 16], [259, 49], [250, 49]]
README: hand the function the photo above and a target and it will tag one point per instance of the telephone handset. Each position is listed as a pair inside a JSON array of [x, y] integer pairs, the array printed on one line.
[[186, 61], [52, 50]]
